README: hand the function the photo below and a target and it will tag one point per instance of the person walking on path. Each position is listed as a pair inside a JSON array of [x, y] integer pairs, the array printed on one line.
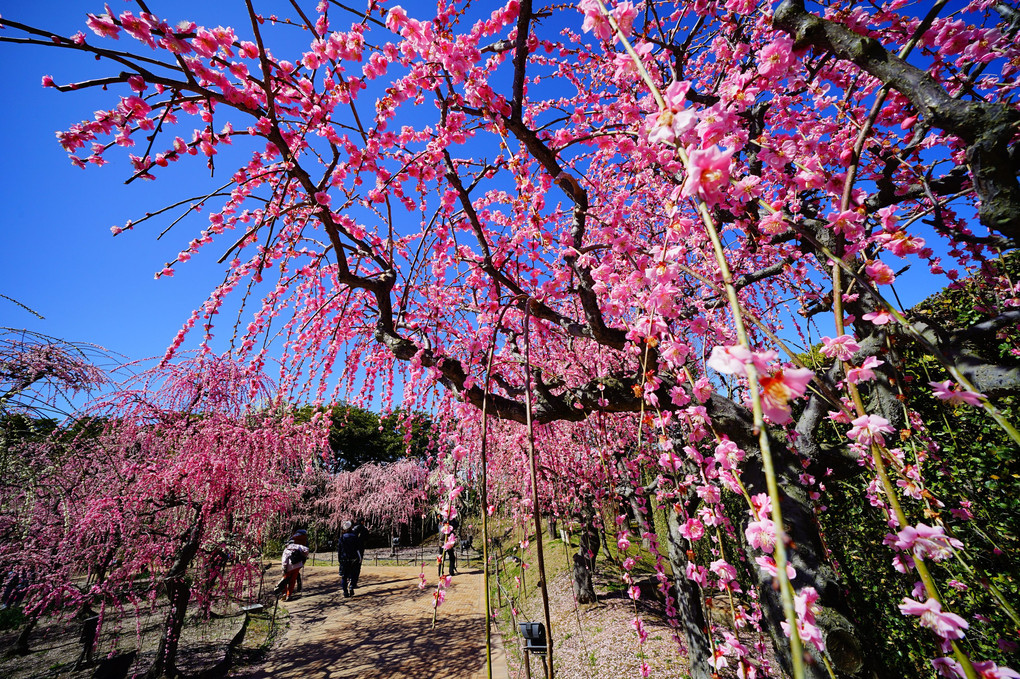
[[448, 532], [359, 529], [300, 537], [294, 556], [349, 554]]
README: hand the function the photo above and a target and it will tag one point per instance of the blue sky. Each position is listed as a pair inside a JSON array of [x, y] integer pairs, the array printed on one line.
[[58, 255]]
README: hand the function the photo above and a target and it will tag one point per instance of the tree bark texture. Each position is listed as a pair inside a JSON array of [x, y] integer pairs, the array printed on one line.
[[584, 561]]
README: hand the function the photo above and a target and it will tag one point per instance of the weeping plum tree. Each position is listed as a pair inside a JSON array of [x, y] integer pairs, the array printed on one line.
[[644, 210], [575, 476], [386, 496], [39, 377], [169, 499], [39, 374]]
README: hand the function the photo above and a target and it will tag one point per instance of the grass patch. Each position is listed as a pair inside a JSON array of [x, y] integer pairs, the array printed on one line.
[[11, 618]]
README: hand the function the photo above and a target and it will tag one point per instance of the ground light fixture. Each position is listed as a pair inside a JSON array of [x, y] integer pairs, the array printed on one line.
[[534, 637]]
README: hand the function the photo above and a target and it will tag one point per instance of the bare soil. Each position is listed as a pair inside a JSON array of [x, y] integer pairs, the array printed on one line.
[[385, 630]]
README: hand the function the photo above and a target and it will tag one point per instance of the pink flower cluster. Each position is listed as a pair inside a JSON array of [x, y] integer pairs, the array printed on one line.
[[778, 388], [953, 393]]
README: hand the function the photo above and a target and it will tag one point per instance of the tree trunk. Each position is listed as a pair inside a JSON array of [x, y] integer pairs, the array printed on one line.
[[178, 592], [806, 555], [584, 561], [844, 648], [690, 612], [20, 646], [215, 567]]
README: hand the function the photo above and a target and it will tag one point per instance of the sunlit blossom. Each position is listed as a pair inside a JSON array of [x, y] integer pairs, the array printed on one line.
[[868, 429], [779, 388], [927, 542], [841, 348], [946, 625], [952, 392], [878, 317]]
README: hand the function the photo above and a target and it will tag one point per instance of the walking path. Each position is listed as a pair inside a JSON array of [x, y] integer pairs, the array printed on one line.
[[385, 630]]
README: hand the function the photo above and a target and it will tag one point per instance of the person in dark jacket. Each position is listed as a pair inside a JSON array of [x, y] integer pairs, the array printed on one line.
[[359, 529], [349, 555], [448, 552]]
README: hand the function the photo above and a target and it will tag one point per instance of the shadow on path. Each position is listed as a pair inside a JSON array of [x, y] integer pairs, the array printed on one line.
[[385, 630]]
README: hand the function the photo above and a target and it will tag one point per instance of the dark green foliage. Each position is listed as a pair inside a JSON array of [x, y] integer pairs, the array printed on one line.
[[976, 463], [358, 436], [964, 457], [973, 300], [11, 618], [18, 427]]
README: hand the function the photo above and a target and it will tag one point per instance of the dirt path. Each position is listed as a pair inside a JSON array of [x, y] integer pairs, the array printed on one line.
[[385, 630]]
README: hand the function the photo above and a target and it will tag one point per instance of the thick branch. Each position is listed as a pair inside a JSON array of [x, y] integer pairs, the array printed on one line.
[[986, 128], [967, 349], [520, 59]]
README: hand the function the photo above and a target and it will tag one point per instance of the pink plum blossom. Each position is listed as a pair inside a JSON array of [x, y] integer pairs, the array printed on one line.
[[669, 124], [702, 389], [730, 360], [841, 348], [624, 14], [779, 388], [804, 604], [761, 506], [952, 392], [989, 670], [733, 360], [847, 223], [666, 126], [775, 57], [594, 20], [946, 625], [761, 535], [670, 462], [865, 372], [950, 667], [878, 317], [900, 243], [868, 429], [103, 25], [709, 494], [708, 173], [692, 530], [879, 273], [698, 574], [768, 564], [725, 572], [927, 542], [728, 454]]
